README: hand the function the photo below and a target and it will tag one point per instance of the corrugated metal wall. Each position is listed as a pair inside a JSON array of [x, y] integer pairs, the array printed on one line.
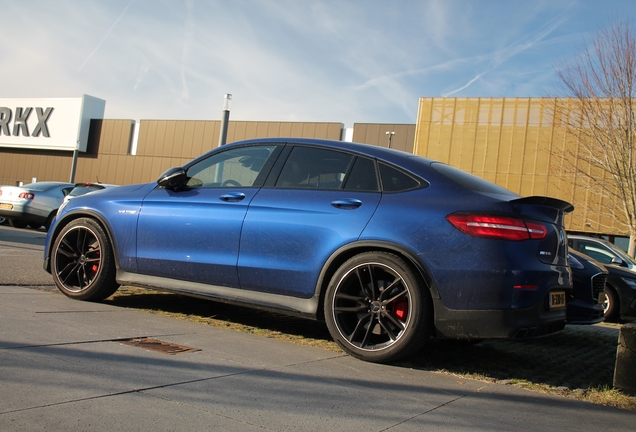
[[505, 140], [376, 134], [511, 142], [21, 165], [161, 144]]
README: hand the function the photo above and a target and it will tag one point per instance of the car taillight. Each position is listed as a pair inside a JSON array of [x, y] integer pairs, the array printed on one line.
[[526, 287], [497, 227], [26, 195]]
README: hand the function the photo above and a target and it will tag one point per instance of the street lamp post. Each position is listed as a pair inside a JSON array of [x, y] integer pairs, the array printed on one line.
[[74, 162], [390, 134], [227, 101]]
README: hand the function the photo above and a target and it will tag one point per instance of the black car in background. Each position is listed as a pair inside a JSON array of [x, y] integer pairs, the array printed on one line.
[[620, 294], [602, 251], [585, 305], [620, 291]]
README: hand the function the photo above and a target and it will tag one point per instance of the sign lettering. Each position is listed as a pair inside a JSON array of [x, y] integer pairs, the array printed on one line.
[[20, 122], [57, 124]]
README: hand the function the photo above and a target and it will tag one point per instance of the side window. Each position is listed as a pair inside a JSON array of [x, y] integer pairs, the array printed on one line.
[[598, 253], [394, 180], [363, 176], [314, 168], [236, 167]]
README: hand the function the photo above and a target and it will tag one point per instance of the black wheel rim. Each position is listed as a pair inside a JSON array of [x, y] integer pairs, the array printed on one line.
[[372, 306], [78, 259]]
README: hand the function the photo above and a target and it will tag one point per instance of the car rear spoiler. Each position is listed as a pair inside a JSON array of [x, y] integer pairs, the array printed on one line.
[[564, 206]]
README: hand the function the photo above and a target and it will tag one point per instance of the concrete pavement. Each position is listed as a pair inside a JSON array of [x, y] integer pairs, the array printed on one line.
[[21, 255], [65, 365]]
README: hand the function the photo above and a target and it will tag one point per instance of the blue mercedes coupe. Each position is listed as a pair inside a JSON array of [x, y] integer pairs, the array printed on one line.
[[388, 248]]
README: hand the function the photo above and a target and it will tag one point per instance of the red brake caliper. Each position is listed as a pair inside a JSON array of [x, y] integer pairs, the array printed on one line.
[[400, 310], [95, 267]]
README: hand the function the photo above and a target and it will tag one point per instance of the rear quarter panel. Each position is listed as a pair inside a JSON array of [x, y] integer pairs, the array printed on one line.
[[468, 272]]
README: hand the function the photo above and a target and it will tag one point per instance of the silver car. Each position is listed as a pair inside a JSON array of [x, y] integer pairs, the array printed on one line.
[[34, 204], [84, 188]]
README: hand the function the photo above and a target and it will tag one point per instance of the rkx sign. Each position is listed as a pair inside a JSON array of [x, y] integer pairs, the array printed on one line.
[[48, 124]]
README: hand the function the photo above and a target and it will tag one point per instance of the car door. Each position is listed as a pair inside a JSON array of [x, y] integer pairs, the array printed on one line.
[[193, 233], [321, 201]]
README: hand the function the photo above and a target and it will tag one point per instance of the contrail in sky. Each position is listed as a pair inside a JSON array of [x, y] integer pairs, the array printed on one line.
[[466, 85], [512, 50], [105, 36]]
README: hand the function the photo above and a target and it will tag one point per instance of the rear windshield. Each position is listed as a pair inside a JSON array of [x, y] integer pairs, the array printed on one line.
[[81, 190], [39, 186], [470, 181]]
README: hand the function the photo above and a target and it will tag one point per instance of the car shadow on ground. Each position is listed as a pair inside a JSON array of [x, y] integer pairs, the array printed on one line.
[[575, 360]]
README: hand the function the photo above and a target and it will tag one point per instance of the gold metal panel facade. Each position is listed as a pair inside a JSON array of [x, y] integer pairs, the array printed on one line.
[[511, 142], [161, 144]]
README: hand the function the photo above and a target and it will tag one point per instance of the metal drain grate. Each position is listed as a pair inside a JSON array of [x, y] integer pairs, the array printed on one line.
[[157, 345]]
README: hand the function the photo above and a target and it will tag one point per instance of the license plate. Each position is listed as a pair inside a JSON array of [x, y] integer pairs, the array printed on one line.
[[6, 206], [557, 299], [601, 298]]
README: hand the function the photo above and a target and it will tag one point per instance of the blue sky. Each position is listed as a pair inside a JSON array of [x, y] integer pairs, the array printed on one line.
[[348, 61]]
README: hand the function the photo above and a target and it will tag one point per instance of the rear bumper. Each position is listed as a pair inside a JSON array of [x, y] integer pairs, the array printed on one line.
[[498, 324], [23, 216]]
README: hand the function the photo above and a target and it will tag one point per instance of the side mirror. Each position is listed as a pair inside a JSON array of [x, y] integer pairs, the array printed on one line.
[[173, 178], [618, 261]]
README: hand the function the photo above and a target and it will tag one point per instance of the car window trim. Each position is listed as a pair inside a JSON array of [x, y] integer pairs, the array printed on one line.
[[262, 175], [423, 183], [282, 160]]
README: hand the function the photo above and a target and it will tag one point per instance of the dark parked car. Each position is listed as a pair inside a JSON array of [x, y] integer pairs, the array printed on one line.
[[601, 250], [387, 247], [620, 292], [33, 204], [585, 305]]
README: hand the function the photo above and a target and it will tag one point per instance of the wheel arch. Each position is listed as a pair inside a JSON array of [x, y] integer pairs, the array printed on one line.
[[340, 256], [49, 219], [615, 297], [70, 217]]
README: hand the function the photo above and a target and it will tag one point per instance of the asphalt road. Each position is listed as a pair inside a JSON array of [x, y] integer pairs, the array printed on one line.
[[69, 365], [21, 256]]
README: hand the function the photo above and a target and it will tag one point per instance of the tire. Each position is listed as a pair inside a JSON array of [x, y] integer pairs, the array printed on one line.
[[377, 308], [611, 305], [17, 223], [82, 262], [49, 220]]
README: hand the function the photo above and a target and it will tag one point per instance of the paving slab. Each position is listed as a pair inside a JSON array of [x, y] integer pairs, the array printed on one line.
[[21, 255], [506, 408], [64, 366], [126, 412], [339, 394]]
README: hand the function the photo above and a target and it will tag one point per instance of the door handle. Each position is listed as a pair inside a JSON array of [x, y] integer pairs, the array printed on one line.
[[347, 203], [233, 197]]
